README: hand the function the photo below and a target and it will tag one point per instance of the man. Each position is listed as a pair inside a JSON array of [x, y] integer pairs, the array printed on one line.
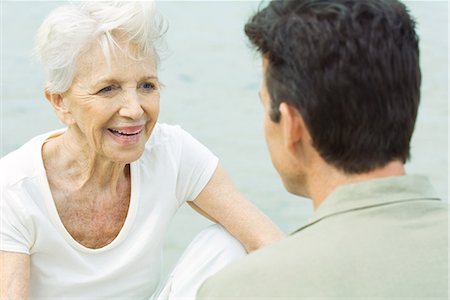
[[341, 87]]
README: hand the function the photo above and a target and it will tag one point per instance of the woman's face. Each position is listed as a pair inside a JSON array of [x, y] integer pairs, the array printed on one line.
[[113, 109]]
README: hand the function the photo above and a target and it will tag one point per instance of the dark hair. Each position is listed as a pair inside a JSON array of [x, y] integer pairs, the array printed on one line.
[[351, 69]]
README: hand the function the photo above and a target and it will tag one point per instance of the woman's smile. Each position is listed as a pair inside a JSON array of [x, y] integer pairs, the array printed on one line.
[[126, 135]]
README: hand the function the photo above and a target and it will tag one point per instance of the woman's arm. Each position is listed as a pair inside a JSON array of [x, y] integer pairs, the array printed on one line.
[[14, 275], [222, 203]]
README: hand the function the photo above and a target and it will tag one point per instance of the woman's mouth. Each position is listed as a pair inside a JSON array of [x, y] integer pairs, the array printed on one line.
[[126, 135]]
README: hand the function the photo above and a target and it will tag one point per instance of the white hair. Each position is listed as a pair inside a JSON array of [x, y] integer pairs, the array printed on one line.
[[70, 30]]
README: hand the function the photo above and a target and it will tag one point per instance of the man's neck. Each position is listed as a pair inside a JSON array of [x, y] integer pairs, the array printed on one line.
[[326, 179]]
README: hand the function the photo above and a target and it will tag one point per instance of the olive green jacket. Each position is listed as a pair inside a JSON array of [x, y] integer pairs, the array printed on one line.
[[378, 239]]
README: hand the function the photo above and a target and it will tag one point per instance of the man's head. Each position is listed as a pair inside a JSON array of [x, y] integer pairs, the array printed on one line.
[[350, 68]]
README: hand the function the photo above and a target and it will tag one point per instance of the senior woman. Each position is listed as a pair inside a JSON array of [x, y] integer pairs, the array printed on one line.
[[85, 209]]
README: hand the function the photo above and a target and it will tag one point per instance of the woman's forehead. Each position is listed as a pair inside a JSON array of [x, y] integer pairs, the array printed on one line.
[[121, 61]]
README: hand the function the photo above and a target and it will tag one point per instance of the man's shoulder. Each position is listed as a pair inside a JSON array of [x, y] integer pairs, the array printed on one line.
[[326, 257], [250, 275], [282, 269]]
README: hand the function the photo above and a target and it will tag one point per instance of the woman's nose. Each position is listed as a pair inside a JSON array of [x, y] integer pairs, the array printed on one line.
[[131, 107]]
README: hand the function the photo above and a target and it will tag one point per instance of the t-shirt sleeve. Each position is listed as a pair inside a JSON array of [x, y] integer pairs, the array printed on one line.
[[14, 225], [196, 167]]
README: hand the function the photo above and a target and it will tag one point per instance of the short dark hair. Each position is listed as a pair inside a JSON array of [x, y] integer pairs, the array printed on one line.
[[351, 69]]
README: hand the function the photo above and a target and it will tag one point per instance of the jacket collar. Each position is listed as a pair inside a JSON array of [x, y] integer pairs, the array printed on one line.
[[374, 192]]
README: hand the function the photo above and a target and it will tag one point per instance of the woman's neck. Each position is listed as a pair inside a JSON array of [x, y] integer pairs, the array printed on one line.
[[84, 169]]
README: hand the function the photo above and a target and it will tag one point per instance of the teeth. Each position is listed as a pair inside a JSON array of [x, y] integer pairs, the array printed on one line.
[[126, 133]]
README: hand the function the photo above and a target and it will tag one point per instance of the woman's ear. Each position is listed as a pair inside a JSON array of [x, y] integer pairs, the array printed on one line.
[[58, 103]]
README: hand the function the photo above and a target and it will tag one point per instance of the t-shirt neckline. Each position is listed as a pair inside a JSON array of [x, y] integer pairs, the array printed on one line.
[[53, 212]]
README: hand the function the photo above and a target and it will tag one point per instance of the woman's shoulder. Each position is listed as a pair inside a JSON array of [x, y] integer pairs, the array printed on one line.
[[24, 162], [164, 131], [165, 134], [170, 141]]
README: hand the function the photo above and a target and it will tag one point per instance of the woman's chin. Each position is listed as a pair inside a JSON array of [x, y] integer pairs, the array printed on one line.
[[126, 156], [126, 150]]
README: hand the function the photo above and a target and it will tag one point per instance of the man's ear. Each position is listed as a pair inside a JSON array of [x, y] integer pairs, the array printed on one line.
[[293, 126], [59, 105]]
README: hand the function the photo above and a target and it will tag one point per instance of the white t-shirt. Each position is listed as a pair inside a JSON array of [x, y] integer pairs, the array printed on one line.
[[174, 168]]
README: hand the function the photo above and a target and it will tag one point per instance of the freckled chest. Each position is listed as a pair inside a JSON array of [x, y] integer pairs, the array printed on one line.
[[92, 219]]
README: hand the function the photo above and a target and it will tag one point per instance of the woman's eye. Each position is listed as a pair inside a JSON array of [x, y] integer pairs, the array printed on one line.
[[106, 90], [148, 86]]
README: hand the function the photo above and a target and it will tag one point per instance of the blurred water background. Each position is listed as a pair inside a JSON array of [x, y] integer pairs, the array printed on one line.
[[211, 79]]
